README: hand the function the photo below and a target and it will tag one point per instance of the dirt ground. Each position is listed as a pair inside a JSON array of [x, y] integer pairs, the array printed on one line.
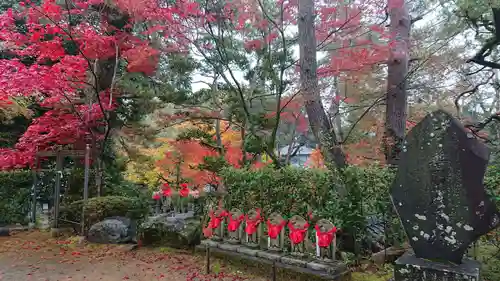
[[35, 256]]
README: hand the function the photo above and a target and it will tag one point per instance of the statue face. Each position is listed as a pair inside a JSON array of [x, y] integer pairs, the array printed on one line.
[[252, 215], [275, 218], [325, 225], [235, 213], [298, 222]]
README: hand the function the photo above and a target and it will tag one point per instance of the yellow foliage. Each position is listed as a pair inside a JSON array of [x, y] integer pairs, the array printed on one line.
[[12, 109], [146, 165], [143, 169]]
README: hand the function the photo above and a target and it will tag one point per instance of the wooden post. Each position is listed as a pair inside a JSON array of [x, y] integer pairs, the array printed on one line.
[[57, 189], [85, 185], [207, 270], [33, 198]]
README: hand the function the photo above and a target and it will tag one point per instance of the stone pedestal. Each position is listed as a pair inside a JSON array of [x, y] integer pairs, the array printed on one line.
[[410, 268]]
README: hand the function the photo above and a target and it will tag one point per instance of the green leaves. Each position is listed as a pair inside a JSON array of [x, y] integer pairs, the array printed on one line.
[[15, 190]]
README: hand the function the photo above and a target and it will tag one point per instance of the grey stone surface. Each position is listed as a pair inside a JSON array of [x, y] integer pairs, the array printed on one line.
[[333, 268], [273, 256], [113, 230], [410, 268], [180, 231], [316, 265], [229, 247], [438, 191], [210, 243], [248, 251], [293, 261]]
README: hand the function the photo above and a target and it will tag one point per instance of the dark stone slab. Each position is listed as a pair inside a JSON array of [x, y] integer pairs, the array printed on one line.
[[248, 251], [272, 256], [229, 247], [438, 191], [294, 261], [210, 243], [337, 271], [410, 268]]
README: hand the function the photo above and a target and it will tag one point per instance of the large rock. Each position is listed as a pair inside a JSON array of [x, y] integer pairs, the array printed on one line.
[[114, 230], [438, 190], [179, 231], [4, 231]]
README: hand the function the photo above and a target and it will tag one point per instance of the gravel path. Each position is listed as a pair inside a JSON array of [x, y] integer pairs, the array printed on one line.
[[34, 256]]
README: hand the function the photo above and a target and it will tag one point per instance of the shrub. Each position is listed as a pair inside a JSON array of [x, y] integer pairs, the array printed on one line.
[[293, 191], [98, 208], [15, 190], [288, 191]]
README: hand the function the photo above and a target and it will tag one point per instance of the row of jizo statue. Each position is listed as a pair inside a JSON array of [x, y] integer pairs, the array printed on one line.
[[248, 229]]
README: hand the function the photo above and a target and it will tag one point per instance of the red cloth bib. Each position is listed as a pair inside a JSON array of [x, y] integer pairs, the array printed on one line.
[[216, 220], [325, 238], [251, 225], [297, 235], [234, 223], [274, 230]]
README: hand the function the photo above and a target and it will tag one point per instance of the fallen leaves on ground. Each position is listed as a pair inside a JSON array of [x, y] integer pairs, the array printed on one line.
[[37, 256]]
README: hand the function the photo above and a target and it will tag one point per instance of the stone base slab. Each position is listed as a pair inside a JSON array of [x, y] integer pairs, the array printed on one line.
[[229, 247], [247, 251], [410, 268], [293, 261], [210, 243], [329, 271], [273, 256]]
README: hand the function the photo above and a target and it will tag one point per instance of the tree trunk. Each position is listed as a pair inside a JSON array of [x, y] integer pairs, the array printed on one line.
[[318, 119], [335, 110], [396, 108]]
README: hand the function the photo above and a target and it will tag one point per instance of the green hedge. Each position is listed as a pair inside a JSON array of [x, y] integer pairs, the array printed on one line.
[[98, 208], [293, 191], [15, 190]]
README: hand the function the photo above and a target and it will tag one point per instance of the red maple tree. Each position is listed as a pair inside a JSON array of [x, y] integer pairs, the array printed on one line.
[[57, 57], [57, 48]]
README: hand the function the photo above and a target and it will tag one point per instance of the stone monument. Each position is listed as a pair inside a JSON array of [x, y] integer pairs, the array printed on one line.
[[234, 226], [297, 227], [253, 228], [325, 240], [275, 232], [439, 195]]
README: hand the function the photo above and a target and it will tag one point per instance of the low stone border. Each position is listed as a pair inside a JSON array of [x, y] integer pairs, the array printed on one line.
[[328, 271], [6, 230]]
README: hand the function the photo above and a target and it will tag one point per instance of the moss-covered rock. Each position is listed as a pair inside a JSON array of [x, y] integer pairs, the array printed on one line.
[[181, 231]]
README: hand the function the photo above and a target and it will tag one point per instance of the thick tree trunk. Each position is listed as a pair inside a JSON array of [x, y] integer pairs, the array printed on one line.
[[396, 108], [318, 119]]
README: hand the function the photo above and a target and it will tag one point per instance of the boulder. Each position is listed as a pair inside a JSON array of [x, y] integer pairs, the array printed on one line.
[[176, 231], [4, 231], [113, 230]]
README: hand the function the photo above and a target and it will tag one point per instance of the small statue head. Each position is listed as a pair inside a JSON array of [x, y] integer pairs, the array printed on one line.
[[298, 222], [275, 218], [325, 225], [235, 213], [252, 214]]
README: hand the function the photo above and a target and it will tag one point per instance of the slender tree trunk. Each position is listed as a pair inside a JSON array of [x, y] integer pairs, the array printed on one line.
[[396, 108], [318, 119], [218, 134], [335, 110]]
